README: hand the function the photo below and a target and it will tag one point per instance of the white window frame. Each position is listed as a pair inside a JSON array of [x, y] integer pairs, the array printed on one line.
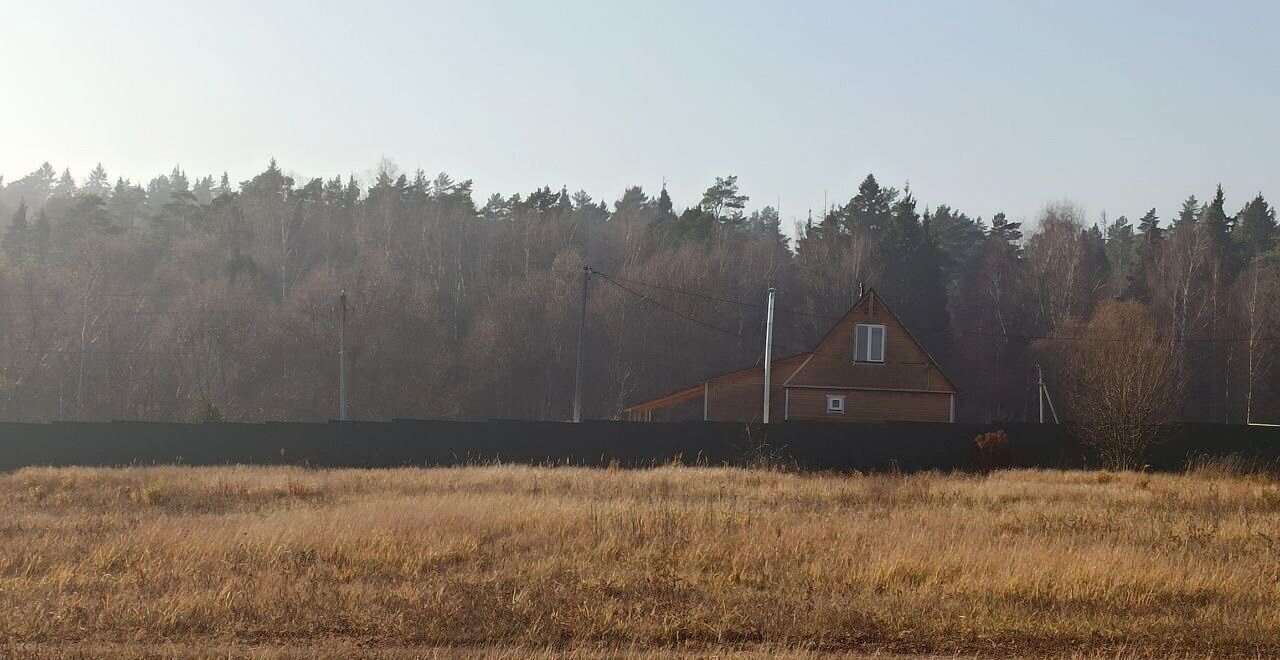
[[837, 409], [871, 327]]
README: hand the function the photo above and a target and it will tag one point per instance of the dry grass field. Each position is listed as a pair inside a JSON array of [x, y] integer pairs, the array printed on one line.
[[509, 561]]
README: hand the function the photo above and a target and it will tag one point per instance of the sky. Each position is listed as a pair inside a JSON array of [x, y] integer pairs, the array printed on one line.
[[986, 106]]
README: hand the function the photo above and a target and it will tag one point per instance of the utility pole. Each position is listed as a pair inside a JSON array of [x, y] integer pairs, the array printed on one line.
[[582, 333], [768, 354], [1040, 389], [342, 356], [1044, 396]]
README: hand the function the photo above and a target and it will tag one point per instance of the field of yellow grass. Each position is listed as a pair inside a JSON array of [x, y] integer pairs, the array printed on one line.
[[506, 561]]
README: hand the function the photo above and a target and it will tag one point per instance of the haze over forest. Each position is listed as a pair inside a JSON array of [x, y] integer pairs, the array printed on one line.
[[195, 295]]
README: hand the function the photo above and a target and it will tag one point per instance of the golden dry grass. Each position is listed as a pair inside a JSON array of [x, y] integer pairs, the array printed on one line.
[[142, 562]]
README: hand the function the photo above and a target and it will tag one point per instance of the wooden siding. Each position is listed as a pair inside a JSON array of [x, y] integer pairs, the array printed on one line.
[[906, 386], [743, 402], [682, 411], [906, 366], [739, 397], [810, 405]]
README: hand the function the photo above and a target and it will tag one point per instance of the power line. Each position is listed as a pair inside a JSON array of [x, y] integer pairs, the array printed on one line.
[[1095, 338], [684, 316], [953, 331], [731, 301], [113, 353]]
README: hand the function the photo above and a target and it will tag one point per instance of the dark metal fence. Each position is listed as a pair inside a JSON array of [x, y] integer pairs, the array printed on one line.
[[810, 446]]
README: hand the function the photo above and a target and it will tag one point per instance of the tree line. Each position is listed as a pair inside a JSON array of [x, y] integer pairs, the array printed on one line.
[[207, 298]]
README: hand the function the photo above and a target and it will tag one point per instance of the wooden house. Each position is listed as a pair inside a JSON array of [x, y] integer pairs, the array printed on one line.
[[868, 368]]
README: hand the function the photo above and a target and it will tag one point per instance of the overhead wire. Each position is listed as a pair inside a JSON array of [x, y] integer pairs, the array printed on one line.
[[731, 301], [953, 331], [682, 315]]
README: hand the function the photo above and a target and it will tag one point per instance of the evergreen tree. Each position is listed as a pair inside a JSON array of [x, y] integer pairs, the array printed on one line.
[[1005, 231], [497, 208], [1189, 214], [17, 239], [913, 272], [1214, 217], [868, 212], [41, 237], [666, 210], [274, 182], [127, 204], [1121, 246], [767, 223], [722, 200], [959, 236], [1255, 228], [203, 190], [1146, 249], [634, 202], [588, 211], [34, 188], [223, 187], [97, 183], [1149, 228], [66, 186]]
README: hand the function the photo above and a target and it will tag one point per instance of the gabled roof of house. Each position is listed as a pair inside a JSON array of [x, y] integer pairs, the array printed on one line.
[[690, 393], [871, 292]]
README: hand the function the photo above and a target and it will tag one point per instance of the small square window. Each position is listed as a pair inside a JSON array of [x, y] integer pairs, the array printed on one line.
[[868, 343], [835, 404]]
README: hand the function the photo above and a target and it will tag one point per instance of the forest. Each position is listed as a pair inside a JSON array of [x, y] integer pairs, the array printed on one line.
[[202, 299]]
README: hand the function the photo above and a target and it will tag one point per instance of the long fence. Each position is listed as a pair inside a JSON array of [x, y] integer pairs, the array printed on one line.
[[811, 446]]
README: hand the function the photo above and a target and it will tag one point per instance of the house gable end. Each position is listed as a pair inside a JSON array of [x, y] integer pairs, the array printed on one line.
[[906, 365]]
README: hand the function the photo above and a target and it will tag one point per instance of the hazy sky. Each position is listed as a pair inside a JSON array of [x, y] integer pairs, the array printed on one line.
[[983, 105]]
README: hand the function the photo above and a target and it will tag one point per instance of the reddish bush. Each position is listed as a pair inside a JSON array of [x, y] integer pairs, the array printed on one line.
[[991, 451]]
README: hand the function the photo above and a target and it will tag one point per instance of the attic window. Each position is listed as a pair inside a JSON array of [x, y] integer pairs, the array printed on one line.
[[868, 343], [835, 404]]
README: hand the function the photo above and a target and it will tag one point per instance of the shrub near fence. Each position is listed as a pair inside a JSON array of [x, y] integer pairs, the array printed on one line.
[[811, 446]]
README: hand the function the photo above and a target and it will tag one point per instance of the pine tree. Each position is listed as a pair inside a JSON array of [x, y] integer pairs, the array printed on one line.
[[98, 183], [959, 236], [127, 203], [767, 223], [223, 188], [1008, 232], [1189, 214], [34, 188], [1149, 227], [178, 181], [17, 239], [722, 200], [868, 212], [666, 210], [913, 272], [1255, 228], [1150, 235], [1214, 217], [66, 186], [633, 203], [1121, 246], [41, 237], [203, 190]]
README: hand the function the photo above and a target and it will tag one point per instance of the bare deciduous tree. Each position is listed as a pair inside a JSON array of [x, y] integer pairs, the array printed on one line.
[[1122, 379]]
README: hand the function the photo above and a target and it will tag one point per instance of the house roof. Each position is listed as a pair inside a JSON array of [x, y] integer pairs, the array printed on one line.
[[690, 393], [872, 292], [680, 396]]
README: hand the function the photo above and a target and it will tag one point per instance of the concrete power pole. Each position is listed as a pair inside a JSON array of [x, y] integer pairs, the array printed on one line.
[[1040, 390], [768, 354], [342, 357], [582, 333], [1044, 396]]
